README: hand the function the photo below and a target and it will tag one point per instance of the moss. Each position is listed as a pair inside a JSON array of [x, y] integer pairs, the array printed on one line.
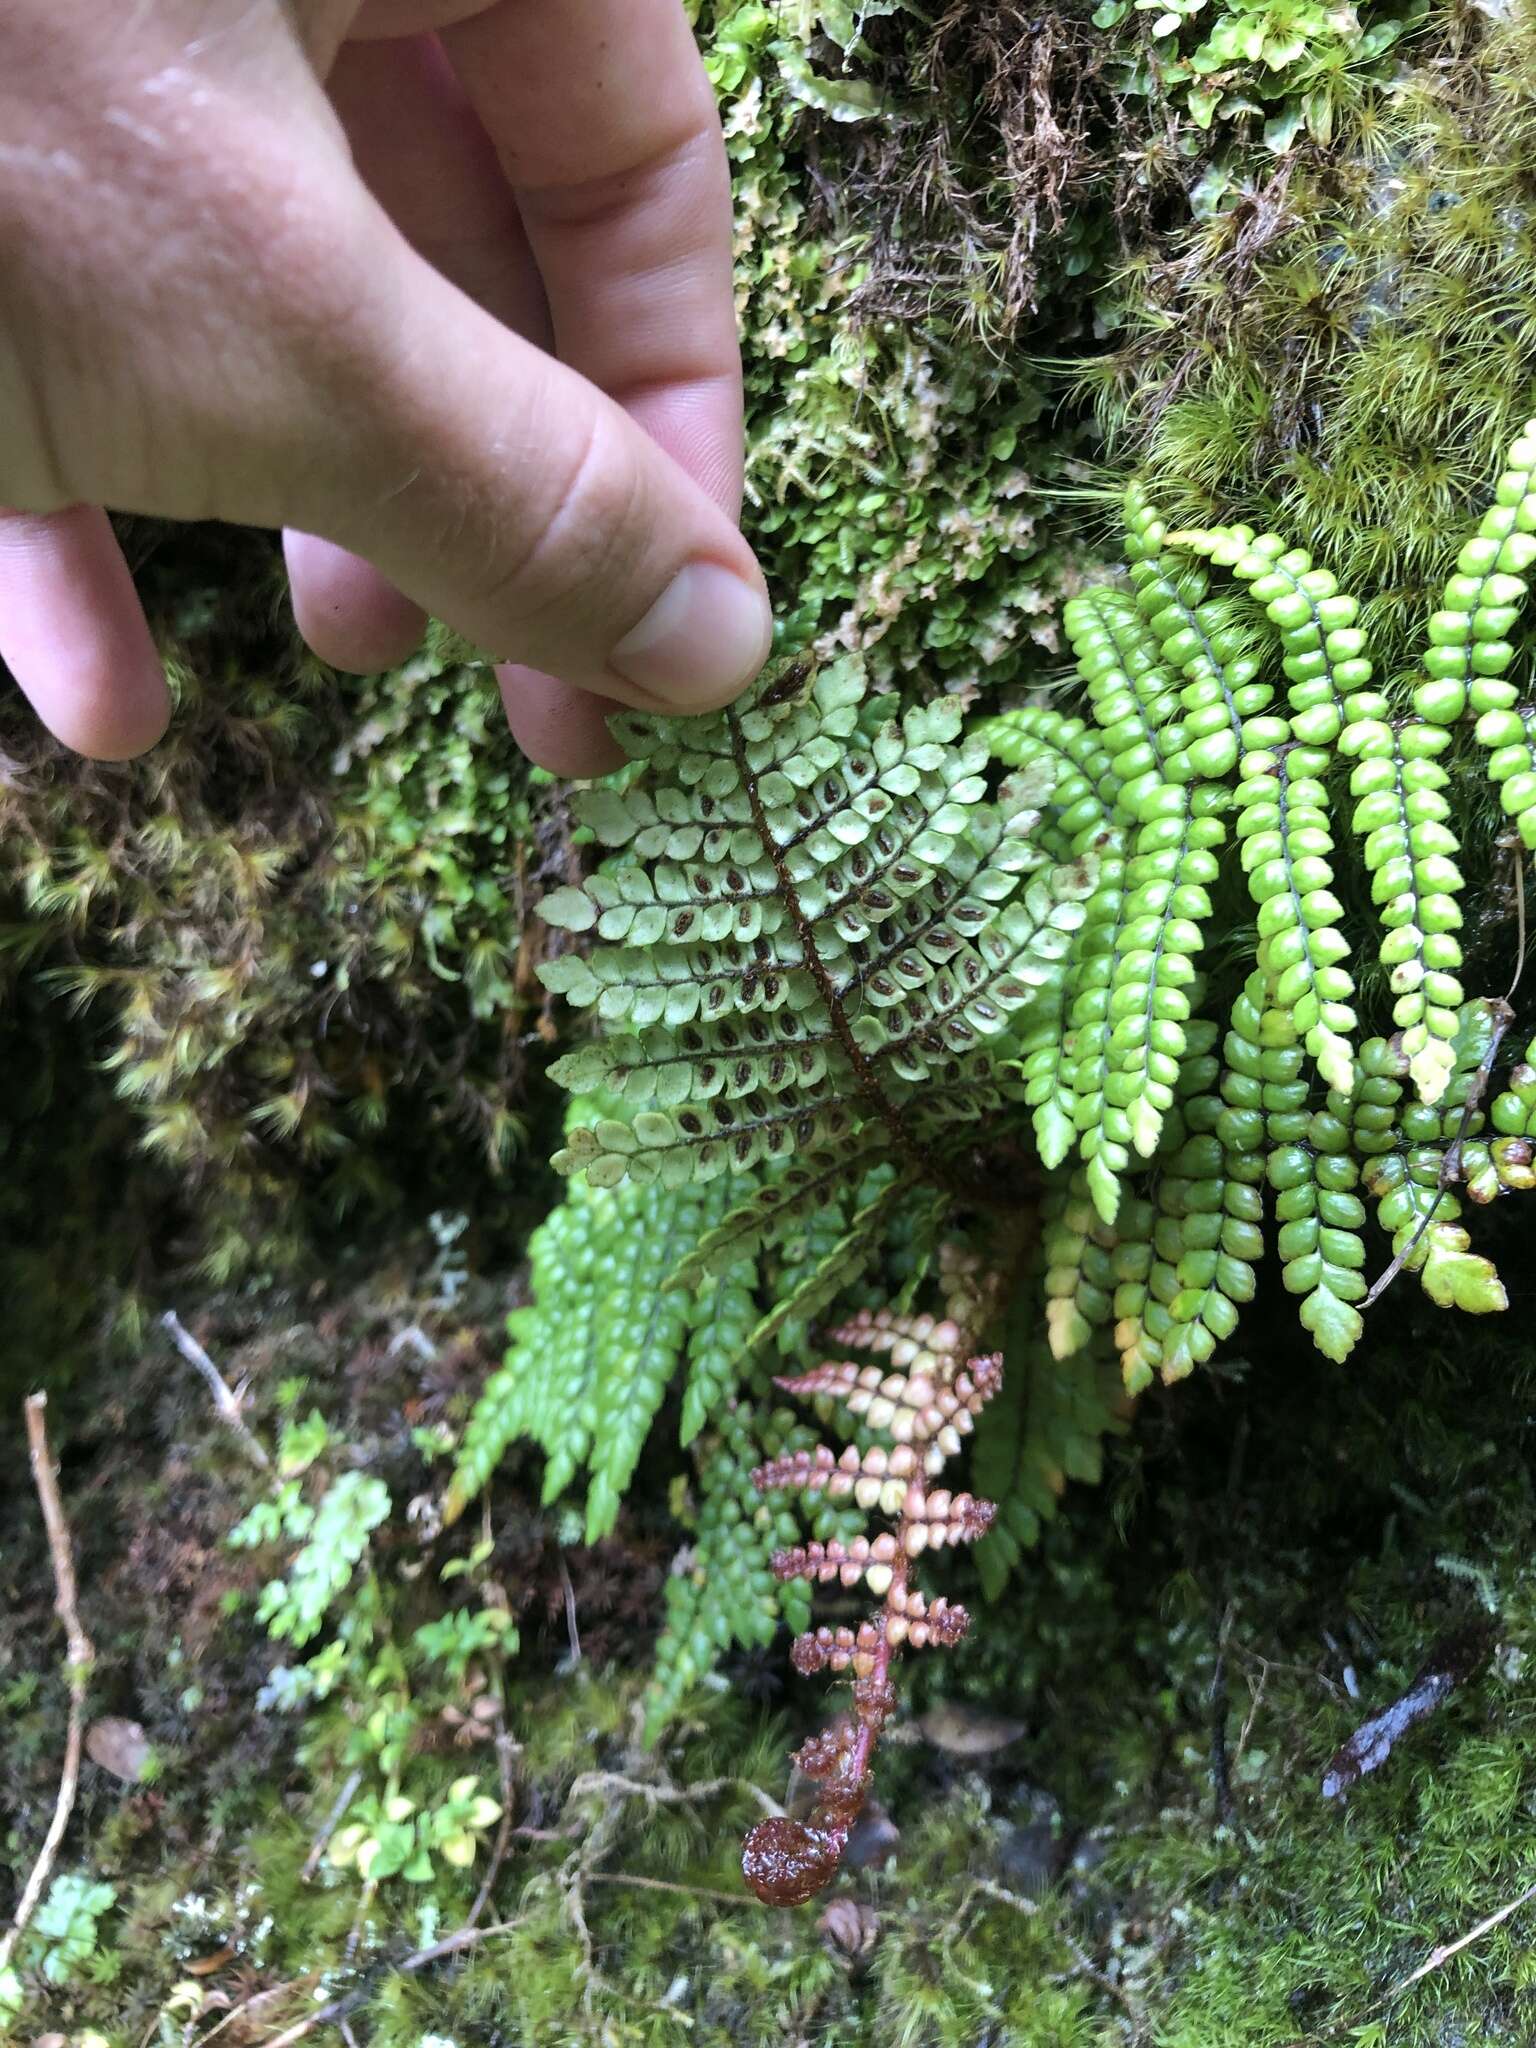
[[1272, 1535], [898, 474], [66, 1205], [293, 927], [1341, 346]]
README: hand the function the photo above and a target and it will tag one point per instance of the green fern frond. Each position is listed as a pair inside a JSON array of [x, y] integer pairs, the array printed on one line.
[[1046, 1426], [724, 1334], [1192, 747], [594, 1351], [809, 944], [722, 1592]]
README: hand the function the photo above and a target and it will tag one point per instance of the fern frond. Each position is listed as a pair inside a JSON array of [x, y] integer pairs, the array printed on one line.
[[525, 1396], [840, 1265], [721, 1591], [1405, 1148], [1083, 786], [593, 1352], [722, 1338], [925, 1402], [793, 1198], [1132, 695], [817, 937], [1046, 1427], [1471, 650], [1283, 829]]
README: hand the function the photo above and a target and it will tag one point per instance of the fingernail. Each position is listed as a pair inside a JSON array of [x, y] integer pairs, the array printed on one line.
[[703, 639]]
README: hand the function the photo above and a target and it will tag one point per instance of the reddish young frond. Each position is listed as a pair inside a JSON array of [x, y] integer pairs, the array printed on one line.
[[847, 1562], [933, 1407], [925, 1398]]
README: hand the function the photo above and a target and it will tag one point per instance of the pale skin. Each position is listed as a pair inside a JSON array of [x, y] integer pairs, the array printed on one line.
[[441, 288]]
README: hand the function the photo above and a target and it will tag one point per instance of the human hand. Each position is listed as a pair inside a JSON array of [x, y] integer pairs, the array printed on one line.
[[441, 287]]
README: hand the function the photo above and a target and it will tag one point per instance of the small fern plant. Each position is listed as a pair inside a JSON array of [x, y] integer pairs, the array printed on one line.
[[873, 994], [816, 928]]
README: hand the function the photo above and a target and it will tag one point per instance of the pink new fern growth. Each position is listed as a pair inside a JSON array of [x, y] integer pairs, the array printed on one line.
[[925, 1399]]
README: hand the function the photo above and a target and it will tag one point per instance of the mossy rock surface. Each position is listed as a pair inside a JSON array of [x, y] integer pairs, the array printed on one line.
[[1148, 1856], [1301, 282]]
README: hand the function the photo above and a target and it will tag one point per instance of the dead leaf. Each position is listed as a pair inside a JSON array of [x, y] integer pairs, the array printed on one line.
[[964, 1730], [206, 1966], [851, 1929], [119, 1746]]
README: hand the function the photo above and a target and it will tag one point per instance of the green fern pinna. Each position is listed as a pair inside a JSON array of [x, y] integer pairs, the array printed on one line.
[[1079, 987]]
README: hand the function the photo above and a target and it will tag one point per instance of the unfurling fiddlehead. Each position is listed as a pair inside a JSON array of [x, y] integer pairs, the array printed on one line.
[[917, 1405]]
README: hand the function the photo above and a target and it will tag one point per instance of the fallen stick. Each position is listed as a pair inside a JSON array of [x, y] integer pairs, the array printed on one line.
[[329, 1825], [343, 2007], [81, 1657], [1438, 1958], [223, 1398]]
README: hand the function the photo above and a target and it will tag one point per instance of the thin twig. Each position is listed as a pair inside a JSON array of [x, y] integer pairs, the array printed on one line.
[[662, 1884], [329, 1826], [1501, 1008], [1256, 1696], [670, 1795], [1450, 1165], [993, 1890], [248, 2008], [360, 1918], [1435, 1960], [1439, 1957], [342, 2008], [223, 1399], [1509, 993], [506, 1749], [81, 1658]]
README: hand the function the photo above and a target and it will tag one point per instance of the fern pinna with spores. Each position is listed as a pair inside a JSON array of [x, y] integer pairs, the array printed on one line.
[[814, 936]]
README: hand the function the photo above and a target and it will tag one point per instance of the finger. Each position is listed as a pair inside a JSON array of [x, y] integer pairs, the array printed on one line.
[[505, 494], [338, 384], [73, 634], [419, 146], [421, 151], [607, 130], [564, 730], [351, 616], [427, 156]]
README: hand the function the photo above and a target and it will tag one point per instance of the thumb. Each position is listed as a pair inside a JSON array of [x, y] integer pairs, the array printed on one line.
[[511, 498]]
